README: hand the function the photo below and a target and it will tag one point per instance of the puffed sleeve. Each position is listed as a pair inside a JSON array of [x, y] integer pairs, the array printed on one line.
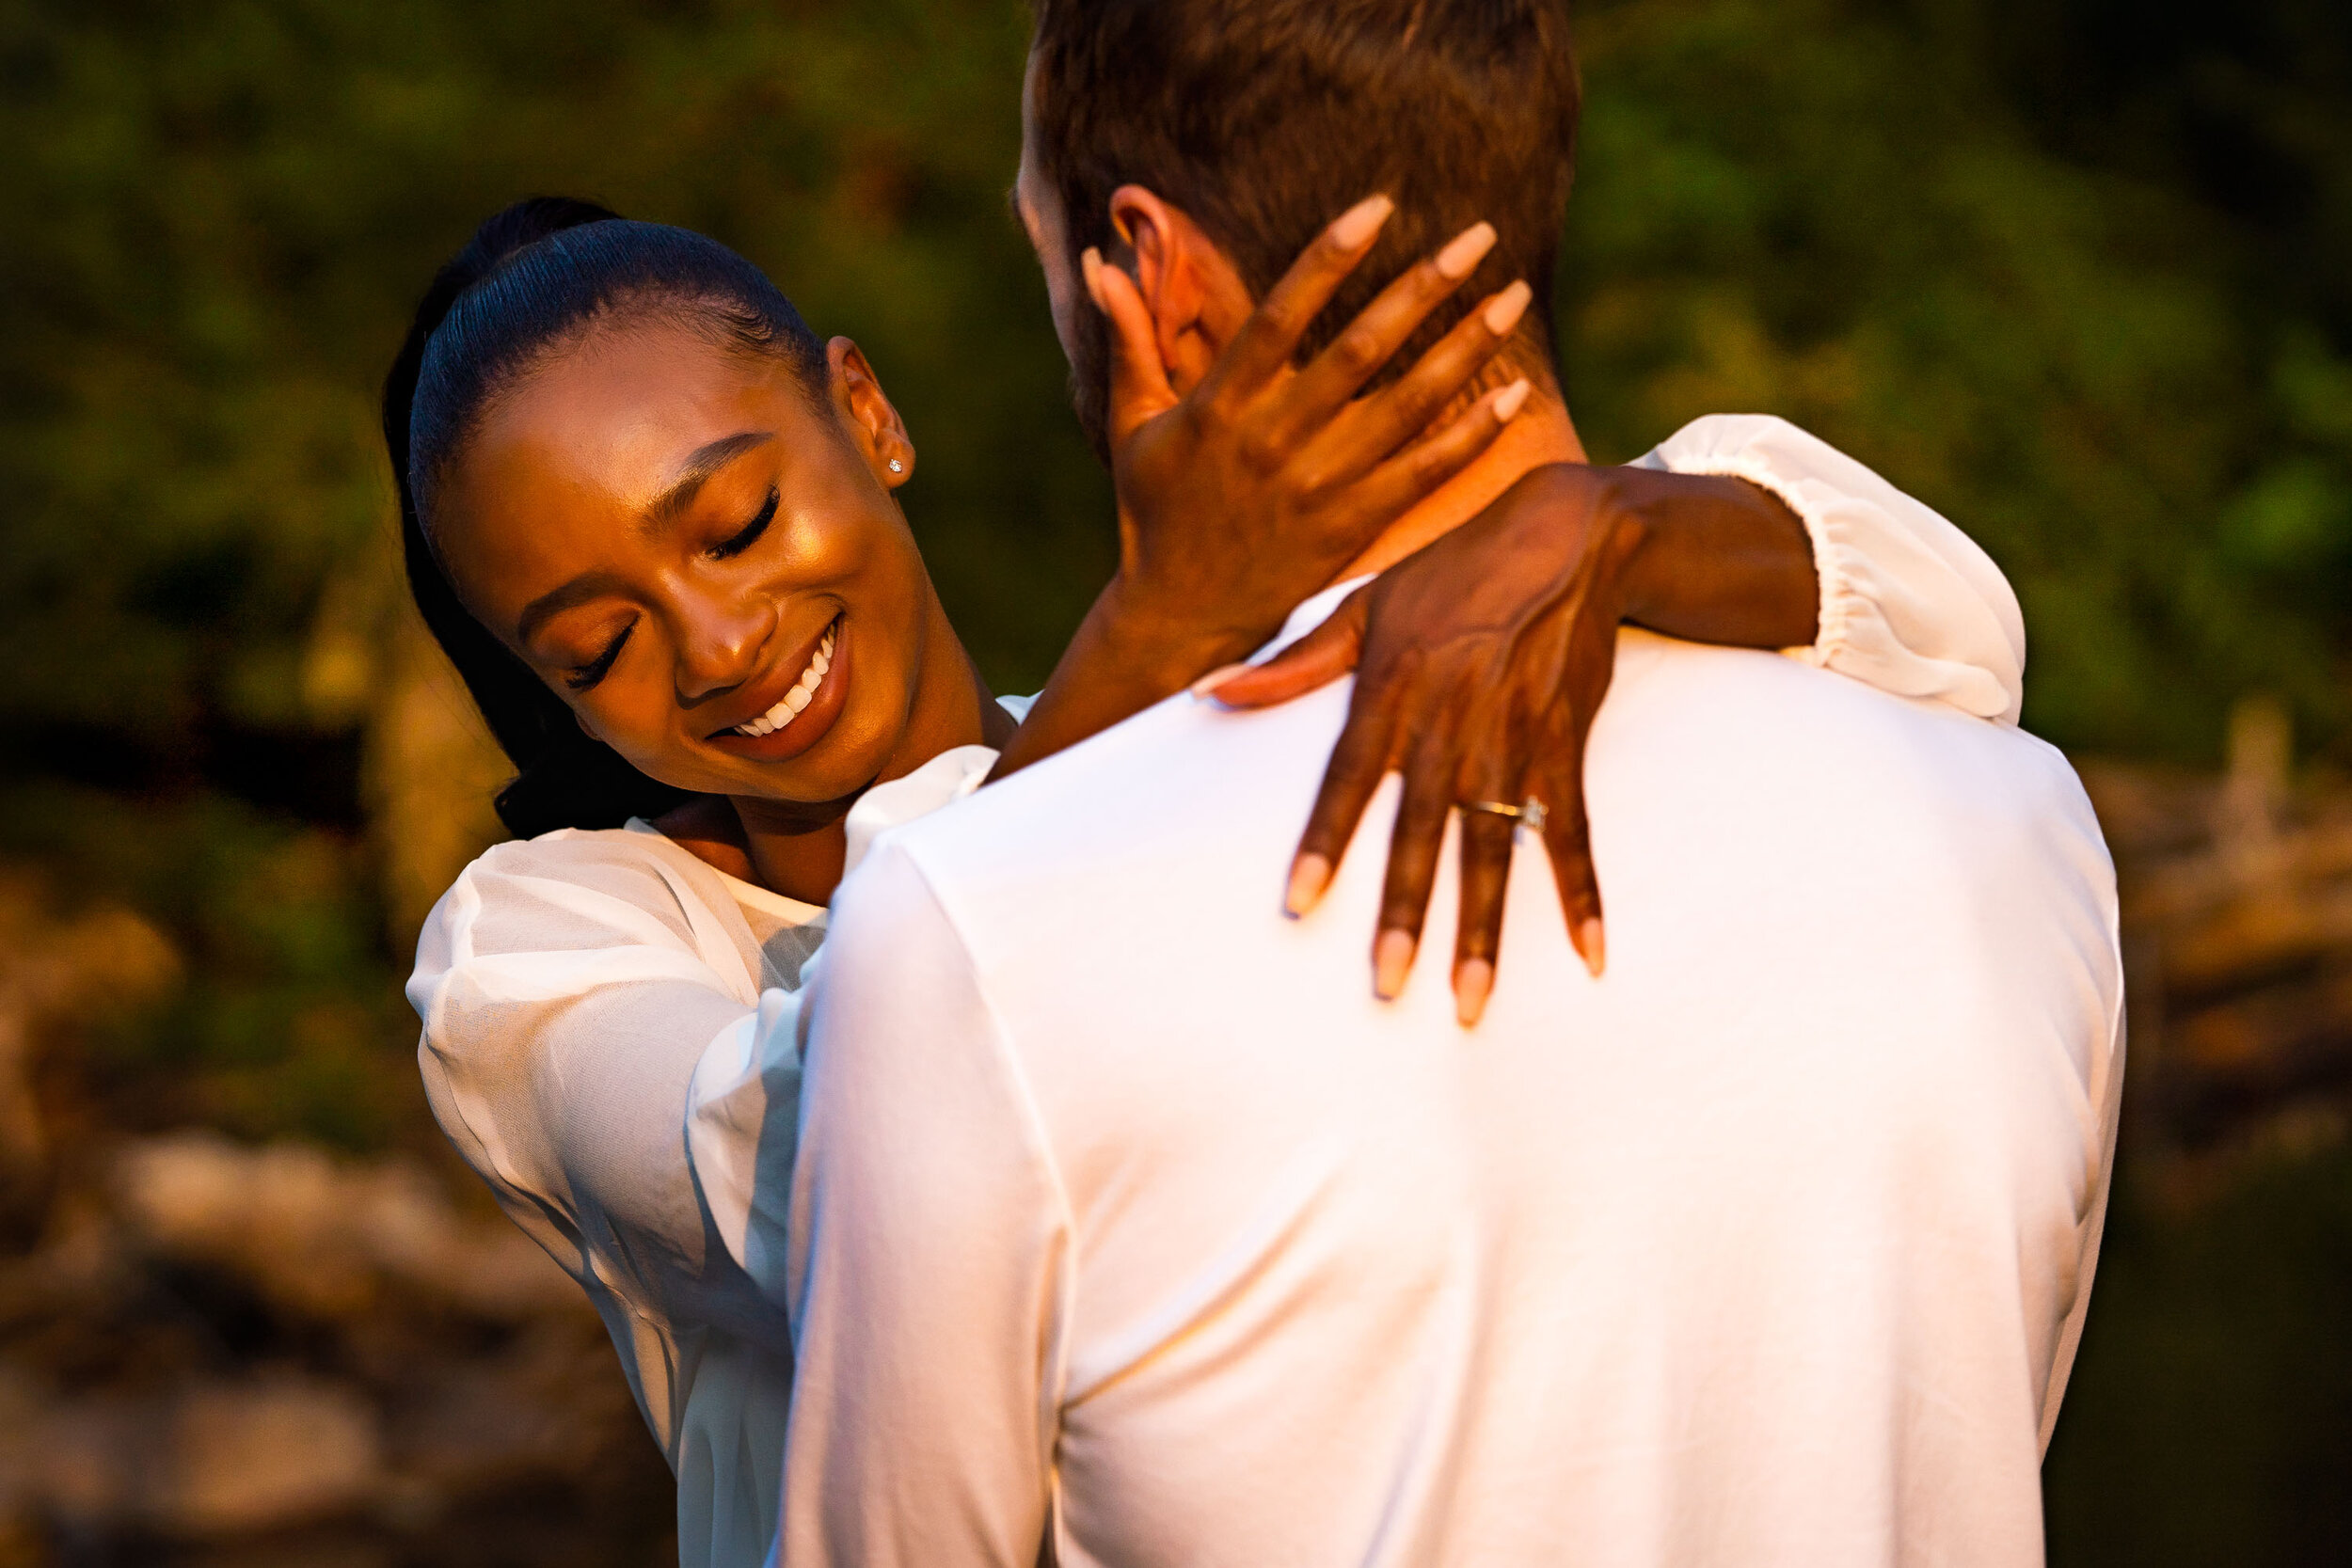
[[568, 988], [1909, 604]]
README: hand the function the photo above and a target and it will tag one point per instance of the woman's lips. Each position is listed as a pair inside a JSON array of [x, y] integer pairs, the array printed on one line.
[[784, 730], [796, 700]]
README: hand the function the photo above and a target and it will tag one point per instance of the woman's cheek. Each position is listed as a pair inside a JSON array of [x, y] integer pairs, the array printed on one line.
[[647, 729]]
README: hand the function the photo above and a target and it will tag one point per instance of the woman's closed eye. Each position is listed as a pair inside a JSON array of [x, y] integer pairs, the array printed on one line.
[[588, 674], [743, 541]]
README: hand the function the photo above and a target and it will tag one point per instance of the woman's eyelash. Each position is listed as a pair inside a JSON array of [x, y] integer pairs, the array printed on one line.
[[589, 674], [752, 531]]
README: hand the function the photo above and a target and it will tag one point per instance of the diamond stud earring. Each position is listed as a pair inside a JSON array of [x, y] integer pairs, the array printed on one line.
[[897, 467]]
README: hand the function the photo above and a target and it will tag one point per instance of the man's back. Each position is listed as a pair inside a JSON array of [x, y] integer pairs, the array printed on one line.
[[1119, 1190]]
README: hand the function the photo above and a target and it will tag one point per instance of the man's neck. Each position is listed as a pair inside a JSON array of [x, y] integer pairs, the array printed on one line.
[[1543, 433]]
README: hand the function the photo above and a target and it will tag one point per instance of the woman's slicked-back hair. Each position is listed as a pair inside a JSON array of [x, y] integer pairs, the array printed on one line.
[[533, 279]]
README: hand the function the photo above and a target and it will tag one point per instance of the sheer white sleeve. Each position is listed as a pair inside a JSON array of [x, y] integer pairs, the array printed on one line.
[[1909, 604], [569, 986]]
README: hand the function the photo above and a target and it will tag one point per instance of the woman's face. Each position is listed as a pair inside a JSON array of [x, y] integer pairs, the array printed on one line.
[[703, 560]]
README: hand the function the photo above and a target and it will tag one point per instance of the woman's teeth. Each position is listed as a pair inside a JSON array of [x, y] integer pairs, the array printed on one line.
[[796, 699]]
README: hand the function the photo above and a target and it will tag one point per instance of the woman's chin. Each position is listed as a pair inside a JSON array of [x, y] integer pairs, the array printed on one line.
[[829, 769]]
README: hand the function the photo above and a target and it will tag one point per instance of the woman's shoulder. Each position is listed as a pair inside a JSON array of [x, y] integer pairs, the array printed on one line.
[[611, 860], [568, 850], [582, 886]]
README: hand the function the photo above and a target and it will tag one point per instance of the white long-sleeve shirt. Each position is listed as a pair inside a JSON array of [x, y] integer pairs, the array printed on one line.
[[610, 1022], [1125, 1217]]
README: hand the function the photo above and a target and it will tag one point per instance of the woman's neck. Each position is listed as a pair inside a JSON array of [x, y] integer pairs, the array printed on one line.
[[797, 848]]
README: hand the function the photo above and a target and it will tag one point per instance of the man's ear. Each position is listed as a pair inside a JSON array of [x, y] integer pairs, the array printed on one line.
[[873, 423], [1197, 298]]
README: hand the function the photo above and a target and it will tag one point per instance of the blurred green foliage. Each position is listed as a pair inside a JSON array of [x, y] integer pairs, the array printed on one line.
[[1899, 225], [2078, 273], [1976, 241]]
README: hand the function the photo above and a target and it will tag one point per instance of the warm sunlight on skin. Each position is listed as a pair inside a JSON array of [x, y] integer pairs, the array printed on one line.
[[675, 538]]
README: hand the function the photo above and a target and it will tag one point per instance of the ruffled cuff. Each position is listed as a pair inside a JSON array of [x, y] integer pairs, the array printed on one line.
[[1909, 603]]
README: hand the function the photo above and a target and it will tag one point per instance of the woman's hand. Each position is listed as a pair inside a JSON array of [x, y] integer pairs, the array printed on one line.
[[1257, 487], [1481, 661]]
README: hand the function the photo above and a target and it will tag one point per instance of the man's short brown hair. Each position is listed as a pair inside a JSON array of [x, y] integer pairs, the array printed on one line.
[[1264, 120]]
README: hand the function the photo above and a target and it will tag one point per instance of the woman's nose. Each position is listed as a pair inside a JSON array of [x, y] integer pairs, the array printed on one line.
[[720, 645]]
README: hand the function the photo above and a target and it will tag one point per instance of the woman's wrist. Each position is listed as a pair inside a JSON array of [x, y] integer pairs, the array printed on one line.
[[1710, 558], [1158, 647], [1127, 655]]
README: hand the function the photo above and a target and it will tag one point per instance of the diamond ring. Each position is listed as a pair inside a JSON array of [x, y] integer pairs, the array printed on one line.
[[1529, 813]]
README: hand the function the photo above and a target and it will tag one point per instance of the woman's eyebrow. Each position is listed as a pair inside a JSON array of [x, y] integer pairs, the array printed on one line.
[[697, 470], [583, 588]]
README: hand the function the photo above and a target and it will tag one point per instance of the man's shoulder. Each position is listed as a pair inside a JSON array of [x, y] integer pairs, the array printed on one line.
[[1184, 776], [1794, 712], [1686, 724], [1194, 805]]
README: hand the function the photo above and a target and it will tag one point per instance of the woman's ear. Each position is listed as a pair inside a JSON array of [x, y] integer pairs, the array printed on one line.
[[873, 422], [1197, 299]]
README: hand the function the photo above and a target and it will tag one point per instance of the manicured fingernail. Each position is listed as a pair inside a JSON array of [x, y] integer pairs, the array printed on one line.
[[1310, 876], [1505, 311], [1359, 223], [1473, 984], [1206, 685], [1512, 399], [1091, 263], [1463, 252], [1391, 960], [1592, 942]]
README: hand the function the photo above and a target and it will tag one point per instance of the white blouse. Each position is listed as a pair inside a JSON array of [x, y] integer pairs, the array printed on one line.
[[611, 1023]]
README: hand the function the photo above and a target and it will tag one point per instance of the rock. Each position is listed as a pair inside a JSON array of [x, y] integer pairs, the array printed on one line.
[[322, 1237], [214, 1458], [54, 970], [237, 1458]]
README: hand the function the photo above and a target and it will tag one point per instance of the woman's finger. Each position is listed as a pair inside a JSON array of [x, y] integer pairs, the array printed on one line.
[[1140, 385], [1568, 840], [1358, 759], [1318, 658], [1487, 843], [1308, 402], [1397, 414], [1414, 845], [1416, 473], [1264, 346]]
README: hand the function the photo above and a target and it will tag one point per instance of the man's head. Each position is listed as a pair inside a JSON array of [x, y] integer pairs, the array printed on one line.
[[1261, 120]]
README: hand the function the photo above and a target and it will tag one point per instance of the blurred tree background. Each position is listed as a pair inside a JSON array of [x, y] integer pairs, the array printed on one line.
[[2078, 273]]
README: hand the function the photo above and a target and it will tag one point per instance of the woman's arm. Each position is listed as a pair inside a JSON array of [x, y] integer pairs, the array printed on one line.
[[1909, 603], [570, 990]]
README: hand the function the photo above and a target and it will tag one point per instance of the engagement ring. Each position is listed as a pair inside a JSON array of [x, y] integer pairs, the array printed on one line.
[[1529, 813]]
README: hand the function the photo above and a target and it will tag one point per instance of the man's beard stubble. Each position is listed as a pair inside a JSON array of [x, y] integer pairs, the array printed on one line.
[[1090, 380]]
